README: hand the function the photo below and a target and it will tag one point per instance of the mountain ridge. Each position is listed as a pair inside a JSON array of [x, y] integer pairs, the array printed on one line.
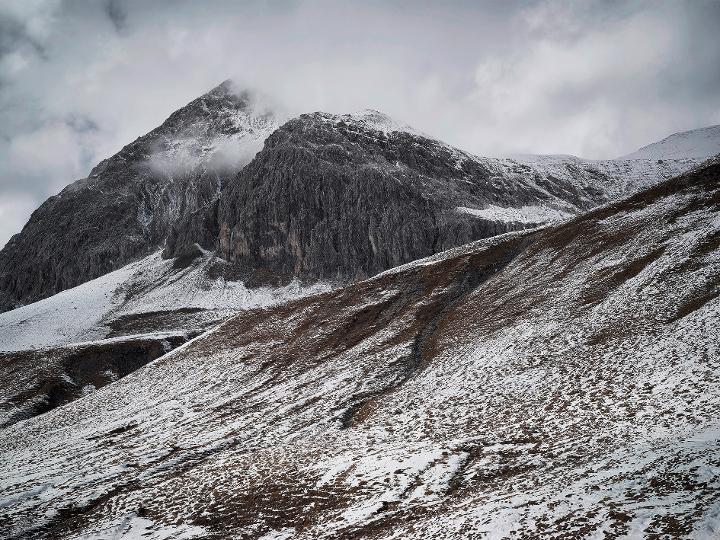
[[699, 143], [172, 189], [351, 155]]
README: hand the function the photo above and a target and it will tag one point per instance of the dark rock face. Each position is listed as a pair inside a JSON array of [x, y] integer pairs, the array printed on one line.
[[331, 198], [130, 202]]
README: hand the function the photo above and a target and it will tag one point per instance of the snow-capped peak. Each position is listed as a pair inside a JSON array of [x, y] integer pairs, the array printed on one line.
[[378, 121], [223, 128], [371, 119], [694, 144]]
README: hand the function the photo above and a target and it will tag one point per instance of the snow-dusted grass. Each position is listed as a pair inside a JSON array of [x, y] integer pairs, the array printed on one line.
[[149, 285], [562, 397], [571, 393]]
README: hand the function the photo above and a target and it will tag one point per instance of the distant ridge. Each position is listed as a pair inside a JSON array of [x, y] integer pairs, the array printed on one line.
[[699, 143]]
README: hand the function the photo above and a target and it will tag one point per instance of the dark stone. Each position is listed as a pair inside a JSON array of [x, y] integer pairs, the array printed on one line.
[[187, 256]]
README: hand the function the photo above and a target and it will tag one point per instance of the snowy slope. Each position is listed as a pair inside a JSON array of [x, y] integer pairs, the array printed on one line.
[[189, 298], [560, 382], [694, 144], [372, 120], [71, 315], [610, 178], [521, 214]]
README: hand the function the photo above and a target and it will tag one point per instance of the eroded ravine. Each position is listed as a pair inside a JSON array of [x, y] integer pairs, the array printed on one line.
[[36, 381]]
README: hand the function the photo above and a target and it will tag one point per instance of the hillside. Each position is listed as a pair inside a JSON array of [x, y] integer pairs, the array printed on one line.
[[560, 381]]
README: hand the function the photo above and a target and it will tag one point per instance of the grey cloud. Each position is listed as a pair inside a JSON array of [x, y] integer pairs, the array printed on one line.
[[117, 14], [13, 37], [80, 78], [81, 124]]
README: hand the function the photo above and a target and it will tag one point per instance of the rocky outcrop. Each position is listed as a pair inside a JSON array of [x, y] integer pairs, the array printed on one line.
[[36, 381], [335, 200], [345, 197]]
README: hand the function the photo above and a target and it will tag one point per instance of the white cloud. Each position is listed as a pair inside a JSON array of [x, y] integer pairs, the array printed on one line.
[[14, 211]]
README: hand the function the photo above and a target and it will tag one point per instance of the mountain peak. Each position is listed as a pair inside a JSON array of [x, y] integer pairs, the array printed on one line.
[[380, 121], [698, 143], [229, 89], [371, 119], [373, 116], [224, 127], [227, 86], [151, 184]]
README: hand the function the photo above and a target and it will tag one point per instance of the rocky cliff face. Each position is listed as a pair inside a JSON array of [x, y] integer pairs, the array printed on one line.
[[130, 202], [345, 197], [333, 198]]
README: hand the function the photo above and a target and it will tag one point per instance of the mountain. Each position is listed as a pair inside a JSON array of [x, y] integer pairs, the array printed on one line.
[[698, 143], [328, 198], [125, 208], [559, 382]]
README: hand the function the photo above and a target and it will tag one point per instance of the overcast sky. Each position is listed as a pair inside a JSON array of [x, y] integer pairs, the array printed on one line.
[[79, 79]]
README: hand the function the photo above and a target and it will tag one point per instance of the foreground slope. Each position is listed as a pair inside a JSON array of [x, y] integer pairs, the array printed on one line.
[[559, 382]]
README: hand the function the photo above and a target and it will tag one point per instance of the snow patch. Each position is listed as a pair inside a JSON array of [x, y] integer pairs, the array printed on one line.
[[83, 313], [522, 214]]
